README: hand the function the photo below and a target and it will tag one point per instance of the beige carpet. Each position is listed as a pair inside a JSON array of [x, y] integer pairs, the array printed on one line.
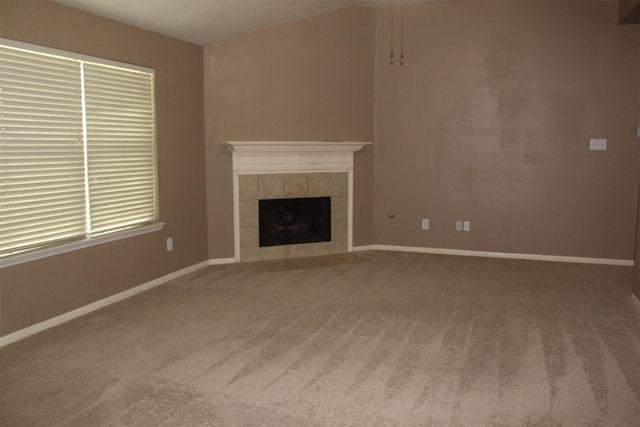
[[376, 339]]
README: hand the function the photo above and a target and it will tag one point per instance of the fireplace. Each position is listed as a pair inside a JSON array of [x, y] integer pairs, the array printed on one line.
[[282, 172], [294, 221]]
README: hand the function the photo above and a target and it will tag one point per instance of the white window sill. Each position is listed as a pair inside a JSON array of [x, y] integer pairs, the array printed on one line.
[[81, 244]]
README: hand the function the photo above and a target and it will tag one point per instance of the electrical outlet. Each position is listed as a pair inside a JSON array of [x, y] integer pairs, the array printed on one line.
[[458, 225], [467, 226], [169, 244], [598, 144], [425, 224]]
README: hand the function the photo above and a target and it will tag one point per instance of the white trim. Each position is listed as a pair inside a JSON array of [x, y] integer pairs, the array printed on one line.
[[236, 216], [221, 261], [363, 248], [287, 146], [80, 244], [635, 302], [58, 320], [254, 157], [507, 255], [350, 210], [250, 148]]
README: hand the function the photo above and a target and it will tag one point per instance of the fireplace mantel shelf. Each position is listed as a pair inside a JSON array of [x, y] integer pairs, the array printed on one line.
[[293, 156], [295, 146]]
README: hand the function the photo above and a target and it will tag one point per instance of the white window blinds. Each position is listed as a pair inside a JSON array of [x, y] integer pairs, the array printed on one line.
[[121, 150], [77, 148], [42, 177]]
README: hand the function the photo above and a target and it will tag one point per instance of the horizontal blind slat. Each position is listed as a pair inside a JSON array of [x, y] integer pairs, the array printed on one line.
[[120, 222], [25, 204], [26, 225], [118, 204], [121, 146], [41, 151], [43, 236]]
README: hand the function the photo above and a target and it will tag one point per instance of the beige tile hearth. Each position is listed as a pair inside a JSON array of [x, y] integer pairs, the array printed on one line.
[[339, 246], [271, 186], [249, 213], [292, 185], [339, 229], [339, 184], [249, 254], [339, 208], [249, 237], [317, 249], [248, 187], [295, 251], [295, 185], [271, 253], [319, 184]]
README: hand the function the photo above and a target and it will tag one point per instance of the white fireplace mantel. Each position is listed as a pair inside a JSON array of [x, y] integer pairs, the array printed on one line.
[[293, 156], [284, 157]]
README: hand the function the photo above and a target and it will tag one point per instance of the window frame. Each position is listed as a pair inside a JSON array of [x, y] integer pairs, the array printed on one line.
[[56, 248]]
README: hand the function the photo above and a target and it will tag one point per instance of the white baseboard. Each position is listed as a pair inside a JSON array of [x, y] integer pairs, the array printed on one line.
[[55, 321], [363, 248], [507, 255], [221, 261], [635, 302]]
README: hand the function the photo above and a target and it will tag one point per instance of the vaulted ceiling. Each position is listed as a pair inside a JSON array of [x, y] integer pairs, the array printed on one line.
[[208, 21]]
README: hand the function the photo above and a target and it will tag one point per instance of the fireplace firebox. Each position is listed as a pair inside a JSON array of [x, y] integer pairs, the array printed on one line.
[[293, 221]]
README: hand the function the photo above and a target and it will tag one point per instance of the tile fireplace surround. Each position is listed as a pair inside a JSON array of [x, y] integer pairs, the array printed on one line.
[[280, 170]]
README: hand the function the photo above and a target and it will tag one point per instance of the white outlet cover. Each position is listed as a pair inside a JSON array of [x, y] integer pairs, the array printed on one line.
[[169, 244], [598, 144], [458, 225], [425, 224], [467, 226]]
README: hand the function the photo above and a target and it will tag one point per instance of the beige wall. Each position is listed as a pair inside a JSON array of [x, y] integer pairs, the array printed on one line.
[[36, 291], [489, 121], [308, 80]]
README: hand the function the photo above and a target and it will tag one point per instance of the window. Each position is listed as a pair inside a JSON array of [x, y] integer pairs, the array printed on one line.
[[77, 147]]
